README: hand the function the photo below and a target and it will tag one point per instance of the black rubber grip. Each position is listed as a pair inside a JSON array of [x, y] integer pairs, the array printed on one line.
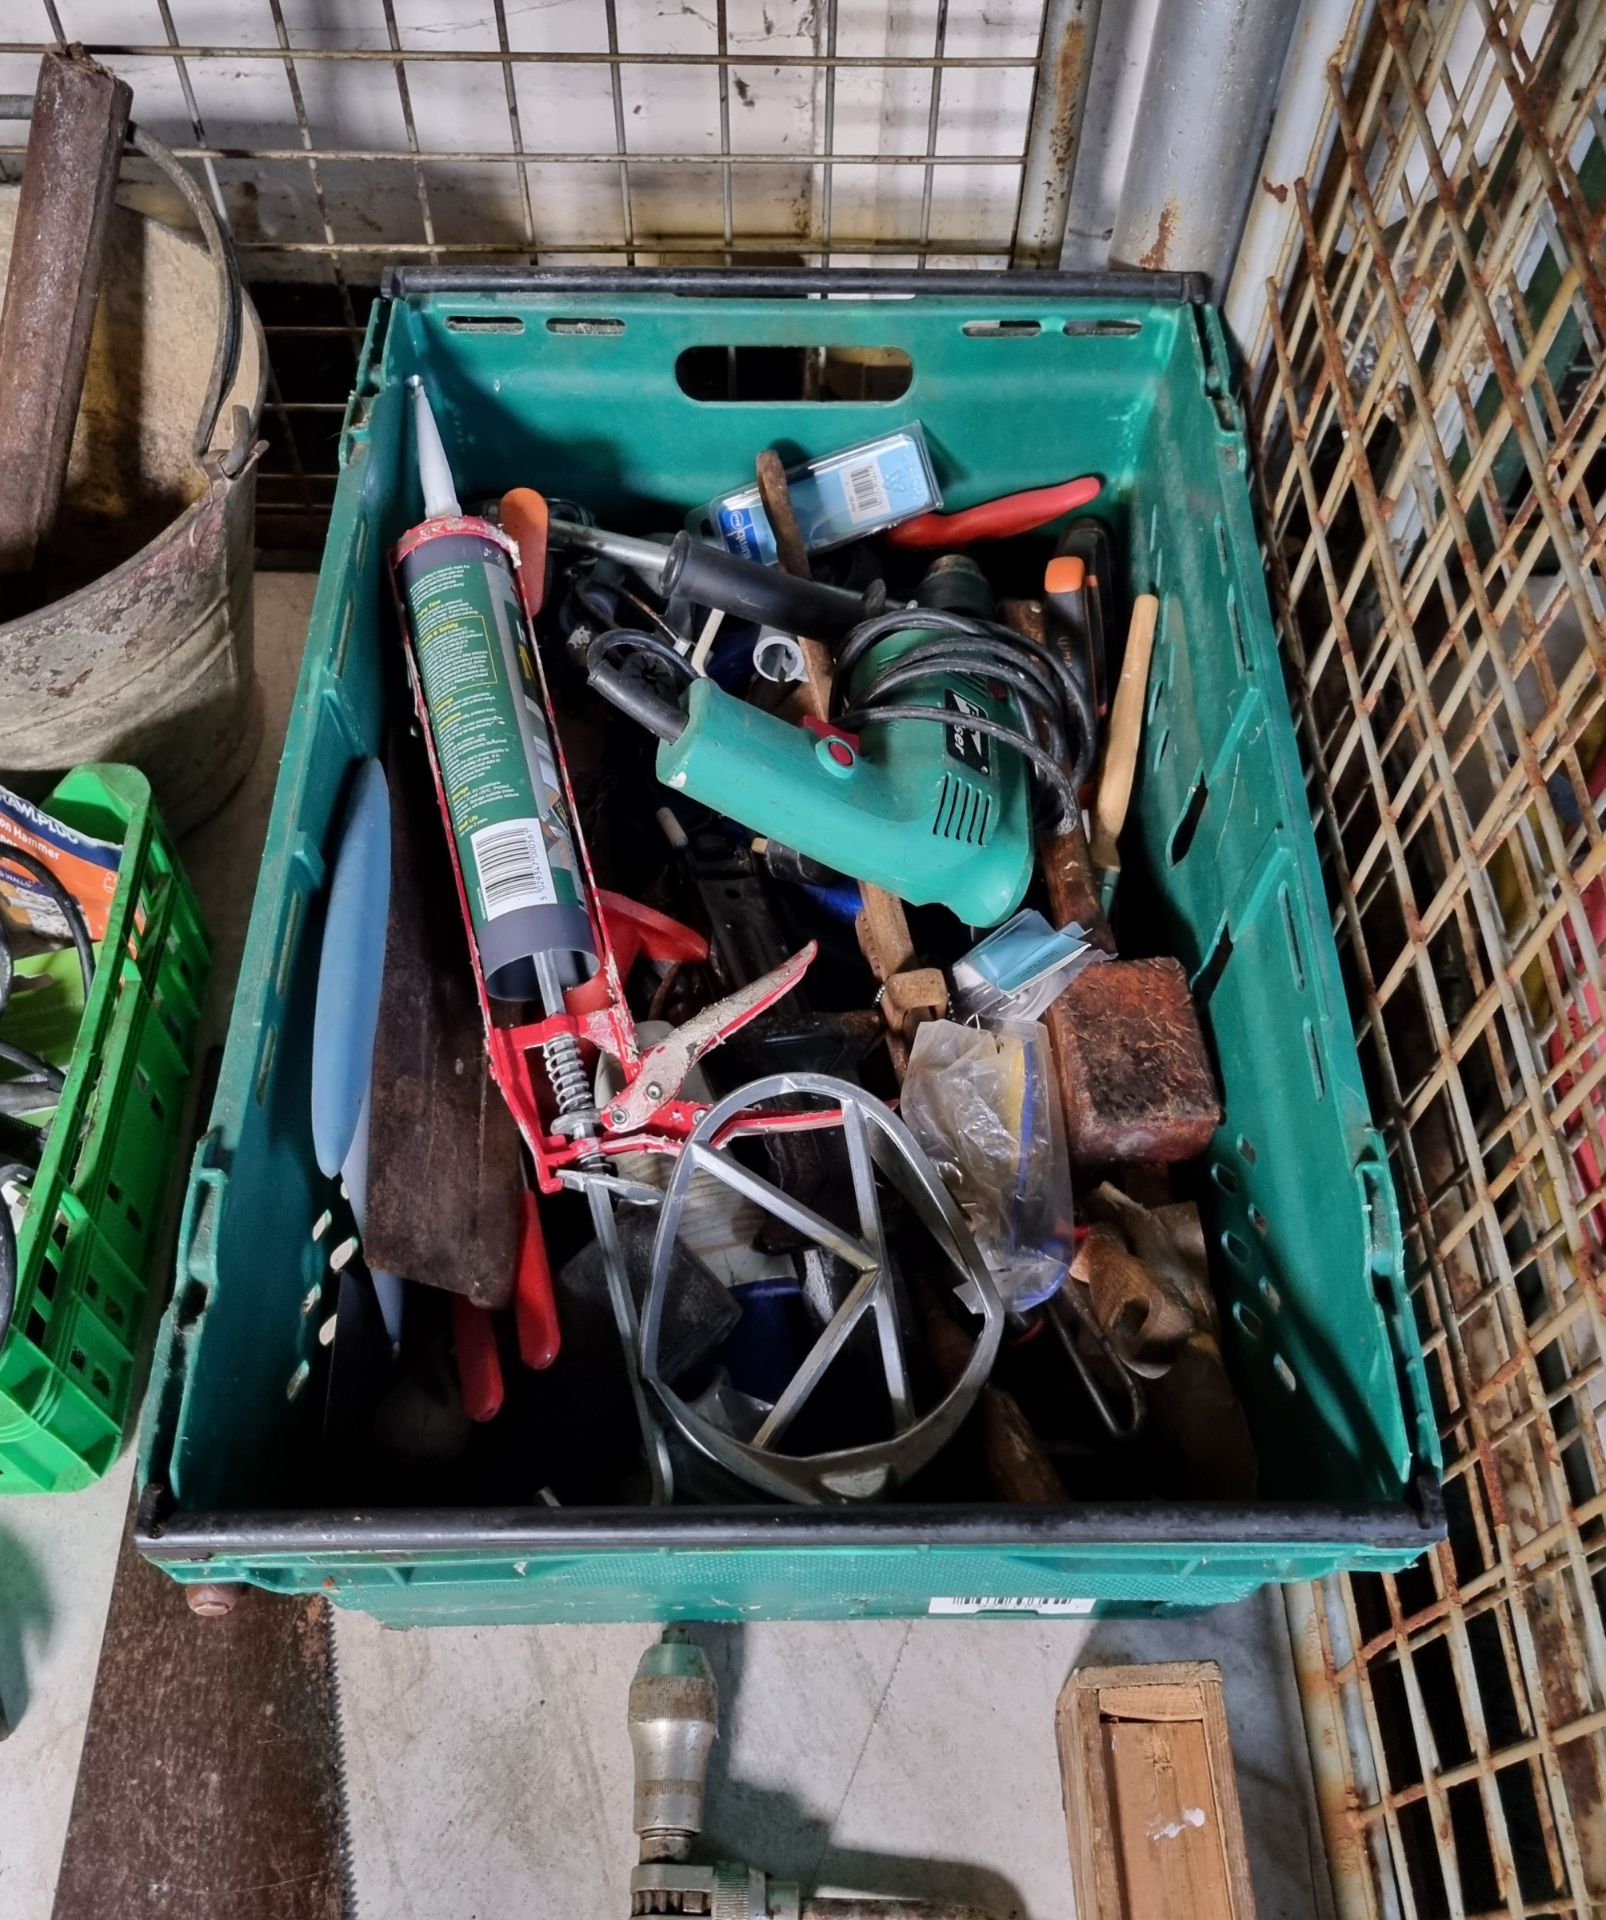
[[709, 578]]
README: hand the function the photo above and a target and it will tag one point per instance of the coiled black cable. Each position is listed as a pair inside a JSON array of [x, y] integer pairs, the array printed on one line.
[[1052, 699]]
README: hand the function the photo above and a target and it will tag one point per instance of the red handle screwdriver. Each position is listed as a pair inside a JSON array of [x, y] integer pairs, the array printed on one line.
[[997, 519]]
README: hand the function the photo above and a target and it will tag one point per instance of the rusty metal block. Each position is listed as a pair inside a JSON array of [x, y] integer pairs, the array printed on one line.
[[1135, 1081]]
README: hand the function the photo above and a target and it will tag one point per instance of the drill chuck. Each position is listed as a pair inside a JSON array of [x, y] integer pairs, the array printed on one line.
[[674, 1720]]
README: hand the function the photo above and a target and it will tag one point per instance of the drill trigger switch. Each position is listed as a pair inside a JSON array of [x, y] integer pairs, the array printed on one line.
[[837, 752]]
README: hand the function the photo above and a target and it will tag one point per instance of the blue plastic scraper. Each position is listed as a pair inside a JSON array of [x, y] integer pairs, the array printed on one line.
[[351, 970]]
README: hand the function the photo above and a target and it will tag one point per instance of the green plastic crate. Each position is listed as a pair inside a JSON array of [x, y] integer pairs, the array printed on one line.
[[96, 1210], [568, 383]]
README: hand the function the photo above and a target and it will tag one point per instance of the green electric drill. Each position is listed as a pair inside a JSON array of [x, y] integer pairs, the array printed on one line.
[[919, 783]]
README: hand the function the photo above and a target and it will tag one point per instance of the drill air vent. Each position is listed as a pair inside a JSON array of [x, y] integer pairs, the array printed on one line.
[[964, 812]]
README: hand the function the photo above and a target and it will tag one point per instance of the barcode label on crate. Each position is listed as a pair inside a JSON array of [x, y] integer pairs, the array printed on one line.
[[865, 492], [513, 869], [1006, 1603]]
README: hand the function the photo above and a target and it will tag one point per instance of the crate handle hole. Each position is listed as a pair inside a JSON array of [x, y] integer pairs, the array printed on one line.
[[1235, 1248], [1224, 1176], [1270, 1295], [1285, 1374], [1258, 1220], [484, 323], [745, 374], [590, 329], [1102, 329], [1001, 329], [1246, 1149], [1248, 1320], [1236, 624]]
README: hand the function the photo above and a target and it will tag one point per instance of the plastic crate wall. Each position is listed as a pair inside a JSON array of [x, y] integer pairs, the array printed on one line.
[[1426, 396]]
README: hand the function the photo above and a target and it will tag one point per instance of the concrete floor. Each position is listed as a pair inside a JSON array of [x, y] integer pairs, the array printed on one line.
[[489, 1770]]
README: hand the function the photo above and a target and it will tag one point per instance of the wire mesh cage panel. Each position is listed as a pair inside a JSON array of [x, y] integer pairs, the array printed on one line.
[[1426, 398], [337, 136]]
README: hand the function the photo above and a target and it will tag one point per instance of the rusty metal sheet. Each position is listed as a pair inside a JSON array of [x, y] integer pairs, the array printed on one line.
[[444, 1173], [75, 147], [1135, 1081]]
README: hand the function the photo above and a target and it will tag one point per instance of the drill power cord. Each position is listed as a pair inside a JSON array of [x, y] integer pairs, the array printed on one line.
[[1049, 694]]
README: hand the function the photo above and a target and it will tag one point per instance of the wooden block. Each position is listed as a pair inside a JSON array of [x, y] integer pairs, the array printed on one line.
[[69, 178], [1151, 1801]]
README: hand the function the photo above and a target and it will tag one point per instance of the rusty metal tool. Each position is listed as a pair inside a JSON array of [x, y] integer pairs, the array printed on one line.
[[1166, 1335], [882, 925], [1121, 737], [1134, 1074], [69, 177], [793, 556], [673, 1718]]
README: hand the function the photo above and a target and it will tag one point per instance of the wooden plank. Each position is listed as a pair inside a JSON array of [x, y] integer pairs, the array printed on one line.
[[1151, 1801], [210, 1779], [69, 178]]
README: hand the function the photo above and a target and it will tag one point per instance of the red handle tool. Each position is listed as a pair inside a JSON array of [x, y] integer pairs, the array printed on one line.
[[479, 1366], [535, 1308], [996, 519]]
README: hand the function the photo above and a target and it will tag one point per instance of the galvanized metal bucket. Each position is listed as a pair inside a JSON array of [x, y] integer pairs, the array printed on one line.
[[138, 646]]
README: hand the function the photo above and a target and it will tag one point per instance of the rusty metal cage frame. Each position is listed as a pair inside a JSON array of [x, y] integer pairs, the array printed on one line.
[[1426, 383], [315, 323], [1426, 399]]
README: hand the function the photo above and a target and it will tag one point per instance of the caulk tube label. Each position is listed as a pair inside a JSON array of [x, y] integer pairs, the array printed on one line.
[[498, 770]]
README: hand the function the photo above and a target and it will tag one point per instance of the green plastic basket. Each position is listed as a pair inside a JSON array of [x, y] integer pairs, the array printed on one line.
[[95, 1210], [569, 383]]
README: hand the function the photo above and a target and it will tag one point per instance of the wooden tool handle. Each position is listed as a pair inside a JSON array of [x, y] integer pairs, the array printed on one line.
[[1126, 726]]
